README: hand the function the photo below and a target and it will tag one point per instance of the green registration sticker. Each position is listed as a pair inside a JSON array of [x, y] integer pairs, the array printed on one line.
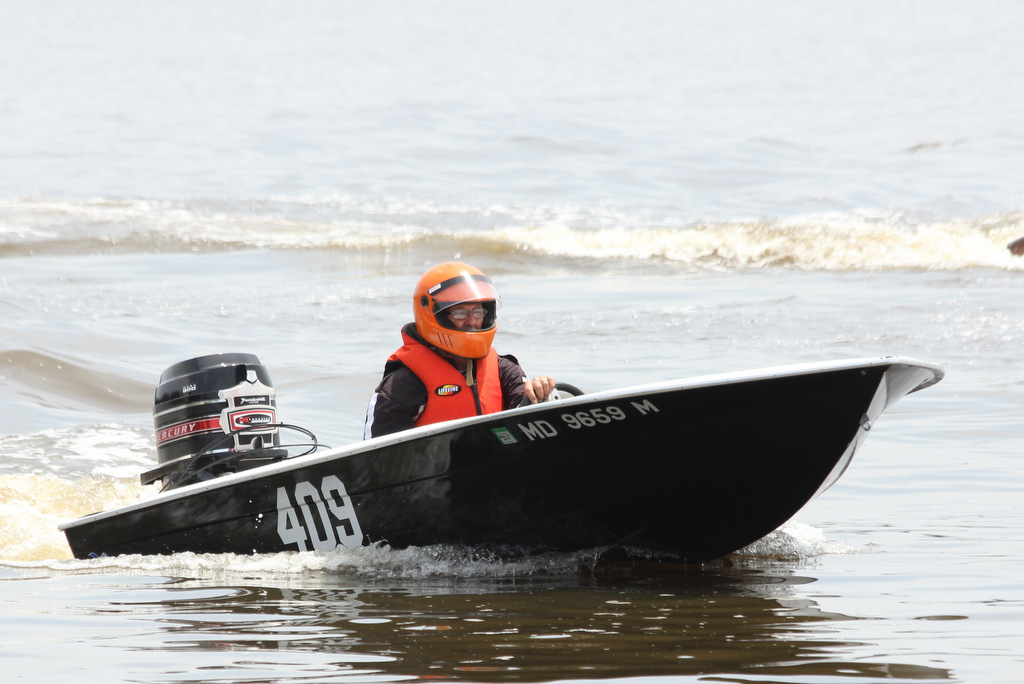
[[504, 435]]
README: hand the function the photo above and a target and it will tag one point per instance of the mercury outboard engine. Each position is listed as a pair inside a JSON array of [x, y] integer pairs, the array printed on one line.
[[213, 415]]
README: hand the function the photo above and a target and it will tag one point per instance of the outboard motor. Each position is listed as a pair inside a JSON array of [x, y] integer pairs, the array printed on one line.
[[213, 415]]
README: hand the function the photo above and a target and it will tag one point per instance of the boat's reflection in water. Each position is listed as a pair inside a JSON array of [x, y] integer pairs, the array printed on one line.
[[612, 621]]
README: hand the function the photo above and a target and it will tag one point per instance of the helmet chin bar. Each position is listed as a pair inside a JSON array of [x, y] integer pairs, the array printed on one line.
[[462, 344]]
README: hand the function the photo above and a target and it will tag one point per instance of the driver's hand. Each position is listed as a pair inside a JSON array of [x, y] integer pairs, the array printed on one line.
[[539, 388]]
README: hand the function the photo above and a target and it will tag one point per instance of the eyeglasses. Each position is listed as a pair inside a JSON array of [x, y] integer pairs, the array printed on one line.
[[462, 314]]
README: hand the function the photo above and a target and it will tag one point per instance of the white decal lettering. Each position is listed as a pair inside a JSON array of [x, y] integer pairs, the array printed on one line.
[[305, 492], [645, 407], [538, 429], [327, 516], [289, 529], [602, 415], [340, 504]]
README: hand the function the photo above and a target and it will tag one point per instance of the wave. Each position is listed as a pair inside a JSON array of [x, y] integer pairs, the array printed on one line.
[[31, 507], [60, 382], [834, 242], [831, 244]]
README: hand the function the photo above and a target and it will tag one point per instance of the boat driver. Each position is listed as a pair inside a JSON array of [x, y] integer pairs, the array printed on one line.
[[446, 368]]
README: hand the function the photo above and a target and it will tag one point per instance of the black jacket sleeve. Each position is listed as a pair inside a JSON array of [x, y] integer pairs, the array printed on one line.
[[397, 402], [512, 379]]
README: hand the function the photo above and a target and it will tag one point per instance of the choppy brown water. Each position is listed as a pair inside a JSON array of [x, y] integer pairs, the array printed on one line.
[[740, 623]]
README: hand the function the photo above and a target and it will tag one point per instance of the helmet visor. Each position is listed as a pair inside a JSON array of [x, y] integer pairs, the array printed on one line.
[[463, 288]]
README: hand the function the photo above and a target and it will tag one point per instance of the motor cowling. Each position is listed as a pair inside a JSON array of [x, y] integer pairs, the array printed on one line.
[[198, 402]]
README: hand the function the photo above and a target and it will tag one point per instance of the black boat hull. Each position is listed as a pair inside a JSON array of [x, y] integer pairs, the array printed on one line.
[[688, 471]]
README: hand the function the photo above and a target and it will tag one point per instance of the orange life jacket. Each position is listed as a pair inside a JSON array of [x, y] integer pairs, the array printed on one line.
[[449, 395]]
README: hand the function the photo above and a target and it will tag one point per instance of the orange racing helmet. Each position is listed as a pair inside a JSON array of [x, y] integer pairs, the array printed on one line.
[[447, 285]]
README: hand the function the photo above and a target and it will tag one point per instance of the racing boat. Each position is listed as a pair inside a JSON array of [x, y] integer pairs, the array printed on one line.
[[688, 471]]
